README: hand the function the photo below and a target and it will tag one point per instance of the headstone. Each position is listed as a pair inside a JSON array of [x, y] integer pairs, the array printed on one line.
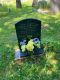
[[0, 5], [9, 9], [28, 28]]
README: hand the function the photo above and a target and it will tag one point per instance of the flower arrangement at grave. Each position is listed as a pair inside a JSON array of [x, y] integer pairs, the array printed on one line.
[[30, 45]]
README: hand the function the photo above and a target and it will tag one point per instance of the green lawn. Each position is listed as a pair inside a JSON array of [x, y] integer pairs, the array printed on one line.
[[48, 67]]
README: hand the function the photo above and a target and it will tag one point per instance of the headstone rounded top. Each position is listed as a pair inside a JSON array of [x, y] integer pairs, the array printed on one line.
[[28, 19]]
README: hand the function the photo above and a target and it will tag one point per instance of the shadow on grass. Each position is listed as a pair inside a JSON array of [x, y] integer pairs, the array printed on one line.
[[47, 68]]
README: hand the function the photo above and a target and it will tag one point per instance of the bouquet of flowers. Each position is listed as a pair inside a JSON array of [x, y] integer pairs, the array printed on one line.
[[30, 46]]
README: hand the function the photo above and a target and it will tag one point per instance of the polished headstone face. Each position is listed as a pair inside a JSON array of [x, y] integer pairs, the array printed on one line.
[[28, 28]]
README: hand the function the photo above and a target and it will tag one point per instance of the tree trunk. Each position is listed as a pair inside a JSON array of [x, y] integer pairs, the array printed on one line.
[[18, 4], [55, 6], [35, 3]]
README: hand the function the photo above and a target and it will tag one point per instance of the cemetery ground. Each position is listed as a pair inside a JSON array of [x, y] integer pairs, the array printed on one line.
[[48, 67]]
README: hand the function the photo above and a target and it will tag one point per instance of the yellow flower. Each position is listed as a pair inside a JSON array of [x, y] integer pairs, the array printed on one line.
[[23, 47], [37, 45], [30, 46], [31, 42]]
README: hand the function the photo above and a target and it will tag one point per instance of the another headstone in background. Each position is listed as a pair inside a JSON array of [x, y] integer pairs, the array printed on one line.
[[0, 5], [8, 9], [55, 6]]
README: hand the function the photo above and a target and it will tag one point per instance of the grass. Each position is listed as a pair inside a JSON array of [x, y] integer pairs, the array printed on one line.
[[48, 67]]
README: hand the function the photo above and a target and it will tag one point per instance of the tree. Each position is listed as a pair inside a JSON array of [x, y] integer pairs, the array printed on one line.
[[35, 3], [18, 4], [55, 5]]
